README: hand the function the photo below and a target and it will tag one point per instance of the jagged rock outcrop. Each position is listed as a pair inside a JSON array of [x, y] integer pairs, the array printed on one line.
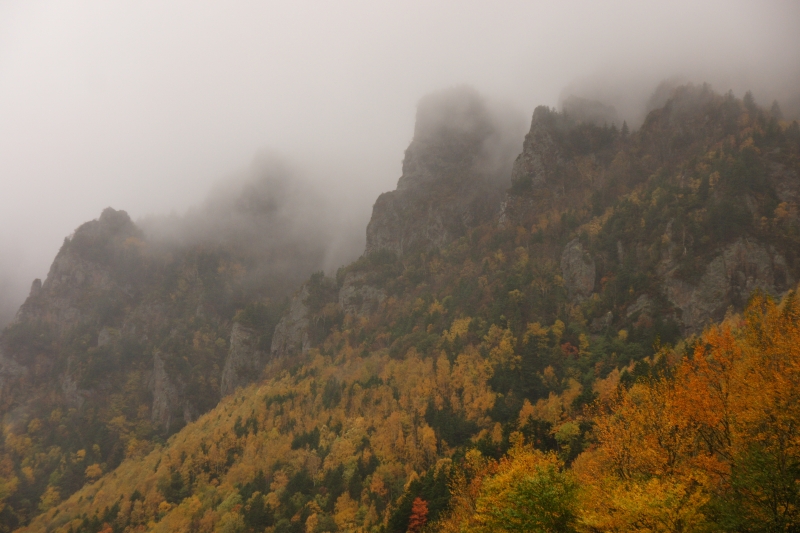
[[74, 396], [110, 301], [82, 273], [736, 239], [170, 406], [83, 288], [549, 172], [359, 298], [454, 173], [642, 305], [166, 397], [540, 155], [245, 360], [291, 334], [729, 279], [578, 271]]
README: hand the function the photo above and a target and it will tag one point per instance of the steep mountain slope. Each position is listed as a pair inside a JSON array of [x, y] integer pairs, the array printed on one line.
[[607, 245], [707, 443], [686, 218], [132, 335]]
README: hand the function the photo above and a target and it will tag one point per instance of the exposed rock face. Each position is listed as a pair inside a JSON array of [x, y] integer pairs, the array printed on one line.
[[108, 287], [82, 269], [578, 271], [358, 298], [454, 174], [73, 395], [404, 221], [165, 395], [642, 305], [169, 401], [291, 333], [36, 288], [106, 336], [729, 279], [245, 361], [541, 155], [545, 175]]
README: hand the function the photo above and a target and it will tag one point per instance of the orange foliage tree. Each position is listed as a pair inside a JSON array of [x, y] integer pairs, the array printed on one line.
[[714, 445], [419, 515]]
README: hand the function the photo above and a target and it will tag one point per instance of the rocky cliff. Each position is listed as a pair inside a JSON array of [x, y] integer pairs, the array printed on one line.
[[98, 263], [245, 360], [454, 173], [728, 281], [126, 341], [291, 333], [578, 271], [694, 210]]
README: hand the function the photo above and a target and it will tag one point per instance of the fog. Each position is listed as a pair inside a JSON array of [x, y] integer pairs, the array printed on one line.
[[270, 215], [153, 106]]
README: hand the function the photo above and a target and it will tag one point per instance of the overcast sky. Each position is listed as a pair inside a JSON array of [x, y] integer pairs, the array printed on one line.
[[143, 105]]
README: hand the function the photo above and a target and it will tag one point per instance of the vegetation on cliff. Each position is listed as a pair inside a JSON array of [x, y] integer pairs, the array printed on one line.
[[493, 382]]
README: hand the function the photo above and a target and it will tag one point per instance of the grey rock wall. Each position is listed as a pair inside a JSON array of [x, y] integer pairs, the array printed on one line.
[[455, 172], [244, 362], [165, 395], [578, 271], [729, 279], [291, 333]]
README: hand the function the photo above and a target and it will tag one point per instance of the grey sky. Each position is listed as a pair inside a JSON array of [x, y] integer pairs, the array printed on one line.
[[142, 105]]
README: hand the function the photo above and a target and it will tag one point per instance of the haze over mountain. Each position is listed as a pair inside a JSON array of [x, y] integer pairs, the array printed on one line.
[[493, 361], [144, 106]]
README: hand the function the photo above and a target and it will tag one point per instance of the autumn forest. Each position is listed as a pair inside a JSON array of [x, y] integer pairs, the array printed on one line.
[[603, 337]]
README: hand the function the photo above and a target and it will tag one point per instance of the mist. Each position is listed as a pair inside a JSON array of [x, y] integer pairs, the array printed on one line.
[[166, 110], [273, 216]]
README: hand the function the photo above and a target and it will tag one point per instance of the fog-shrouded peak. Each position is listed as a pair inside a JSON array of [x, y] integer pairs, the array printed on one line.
[[457, 112], [461, 136], [590, 111], [454, 172], [144, 105]]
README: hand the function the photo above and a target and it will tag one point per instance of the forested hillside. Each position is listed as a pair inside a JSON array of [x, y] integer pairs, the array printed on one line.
[[551, 367]]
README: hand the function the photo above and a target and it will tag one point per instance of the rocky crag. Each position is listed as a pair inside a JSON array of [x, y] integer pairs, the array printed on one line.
[[126, 341], [576, 181], [454, 173], [713, 200]]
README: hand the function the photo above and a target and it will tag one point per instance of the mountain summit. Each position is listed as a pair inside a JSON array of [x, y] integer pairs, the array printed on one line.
[[454, 174]]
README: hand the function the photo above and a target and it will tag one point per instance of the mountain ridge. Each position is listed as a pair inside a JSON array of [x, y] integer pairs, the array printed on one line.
[[433, 342]]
